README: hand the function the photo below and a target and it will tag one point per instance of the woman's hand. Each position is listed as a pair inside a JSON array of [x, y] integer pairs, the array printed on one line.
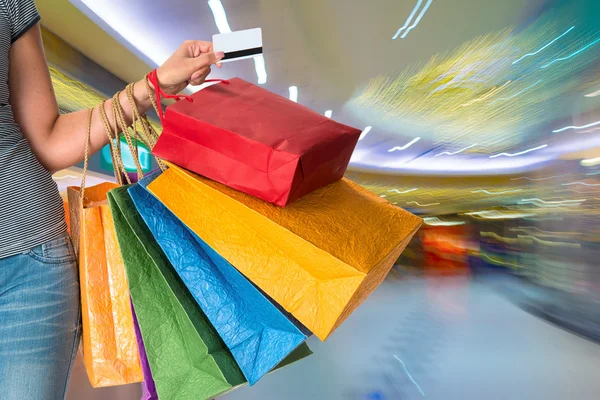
[[189, 65]]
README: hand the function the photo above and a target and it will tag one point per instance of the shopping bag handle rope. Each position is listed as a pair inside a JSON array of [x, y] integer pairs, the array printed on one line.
[[86, 157], [156, 94]]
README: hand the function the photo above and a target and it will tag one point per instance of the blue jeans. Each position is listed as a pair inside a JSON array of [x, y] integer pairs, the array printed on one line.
[[39, 321]]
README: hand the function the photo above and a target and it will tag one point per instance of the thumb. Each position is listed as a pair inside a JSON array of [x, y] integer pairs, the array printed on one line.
[[208, 59]]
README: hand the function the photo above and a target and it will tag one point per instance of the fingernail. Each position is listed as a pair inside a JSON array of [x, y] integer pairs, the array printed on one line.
[[219, 55]]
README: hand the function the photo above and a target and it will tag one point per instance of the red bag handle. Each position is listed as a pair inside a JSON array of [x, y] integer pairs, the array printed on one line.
[[158, 92]]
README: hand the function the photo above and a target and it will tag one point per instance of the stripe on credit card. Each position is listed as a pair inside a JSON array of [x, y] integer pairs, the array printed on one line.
[[243, 53]]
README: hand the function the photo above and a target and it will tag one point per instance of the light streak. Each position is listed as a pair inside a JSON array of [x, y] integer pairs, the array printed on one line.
[[494, 214], [486, 96], [572, 55], [550, 243], [590, 162], [516, 94], [536, 200], [365, 132], [566, 128], [423, 11], [65, 177], [408, 20], [519, 153], [591, 130], [450, 153], [527, 229], [406, 146], [551, 204], [507, 191], [546, 46], [406, 191], [435, 221], [580, 183], [498, 262], [423, 205], [294, 93], [499, 238], [539, 179], [594, 94], [410, 376]]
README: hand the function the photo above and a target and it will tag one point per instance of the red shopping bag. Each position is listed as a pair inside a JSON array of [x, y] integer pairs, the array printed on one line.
[[255, 141]]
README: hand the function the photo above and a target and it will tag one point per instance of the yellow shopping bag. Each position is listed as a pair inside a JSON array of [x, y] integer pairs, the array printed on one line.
[[319, 258]]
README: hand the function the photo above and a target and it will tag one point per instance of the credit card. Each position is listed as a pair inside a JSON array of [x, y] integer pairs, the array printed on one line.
[[239, 45]]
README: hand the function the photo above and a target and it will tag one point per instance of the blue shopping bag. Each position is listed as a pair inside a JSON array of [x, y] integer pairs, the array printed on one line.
[[254, 329]]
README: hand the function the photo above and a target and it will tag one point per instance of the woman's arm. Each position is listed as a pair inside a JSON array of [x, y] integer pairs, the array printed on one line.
[[59, 140]]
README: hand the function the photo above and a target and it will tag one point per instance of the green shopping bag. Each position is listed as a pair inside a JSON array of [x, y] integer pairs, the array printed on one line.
[[187, 357]]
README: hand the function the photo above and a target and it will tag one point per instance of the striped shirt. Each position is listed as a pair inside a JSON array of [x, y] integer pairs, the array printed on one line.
[[31, 209]]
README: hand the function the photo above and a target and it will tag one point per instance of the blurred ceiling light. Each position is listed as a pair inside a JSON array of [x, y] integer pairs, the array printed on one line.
[[581, 183], [406, 191], [573, 54], [220, 17], [506, 191], [365, 132], [449, 153], [546, 46], [539, 179], [519, 153], [127, 29], [261, 69], [328, 113], [423, 205], [566, 128], [406, 146], [595, 94], [294, 93], [434, 221], [409, 20]]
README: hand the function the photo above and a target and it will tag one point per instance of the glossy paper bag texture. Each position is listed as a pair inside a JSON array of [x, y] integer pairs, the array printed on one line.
[[187, 358], [256, 141], [258, 335], [319, 258], [110, 351]]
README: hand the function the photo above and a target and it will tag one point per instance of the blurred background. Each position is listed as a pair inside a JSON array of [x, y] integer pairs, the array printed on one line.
[[481, 116]]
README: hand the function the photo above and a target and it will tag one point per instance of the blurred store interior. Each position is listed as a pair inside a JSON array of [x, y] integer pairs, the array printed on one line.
[[481, 116]]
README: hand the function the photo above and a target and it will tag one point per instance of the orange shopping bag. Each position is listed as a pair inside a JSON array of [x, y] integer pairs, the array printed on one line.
[[110, 348]]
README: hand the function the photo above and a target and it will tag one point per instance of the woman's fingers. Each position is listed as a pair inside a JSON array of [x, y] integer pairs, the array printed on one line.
[[202, 72]]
